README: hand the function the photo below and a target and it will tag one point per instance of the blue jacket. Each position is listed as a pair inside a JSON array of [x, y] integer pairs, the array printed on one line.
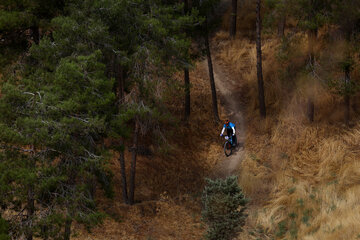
[[231, 125]]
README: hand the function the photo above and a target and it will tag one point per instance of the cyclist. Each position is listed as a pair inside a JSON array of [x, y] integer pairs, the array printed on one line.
[[230, 129]]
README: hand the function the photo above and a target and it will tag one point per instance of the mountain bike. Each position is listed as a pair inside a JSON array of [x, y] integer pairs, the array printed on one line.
[[228, 147]]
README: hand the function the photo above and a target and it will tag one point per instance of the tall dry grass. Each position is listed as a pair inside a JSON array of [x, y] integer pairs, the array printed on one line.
[[318, 187], [303, 178], [162, 219]]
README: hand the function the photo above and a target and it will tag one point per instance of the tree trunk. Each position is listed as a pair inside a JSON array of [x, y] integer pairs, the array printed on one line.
[[133, 164], [186, 6], [187, 76], [92, 187], [187, 93], [35, 34], [123, 175], [259, 61], [310, 109], [347, 80], [30, 211], [312, 34], [347, 96], [44, 232], [233, 19], [120, 81], [110, 68], [211, 74], [67, 232], [281, 26]]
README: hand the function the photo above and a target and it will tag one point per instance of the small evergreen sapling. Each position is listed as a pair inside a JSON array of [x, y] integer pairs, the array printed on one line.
[[223, 208]]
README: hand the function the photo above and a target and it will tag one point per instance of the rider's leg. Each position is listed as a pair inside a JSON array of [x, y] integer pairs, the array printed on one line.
[[234, 140], [230, 133]]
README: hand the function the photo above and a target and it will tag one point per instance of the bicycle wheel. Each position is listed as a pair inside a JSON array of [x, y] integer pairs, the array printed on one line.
[[227, 148]]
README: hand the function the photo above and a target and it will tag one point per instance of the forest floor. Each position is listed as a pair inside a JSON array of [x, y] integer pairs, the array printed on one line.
[[168, 190], [172, 211]]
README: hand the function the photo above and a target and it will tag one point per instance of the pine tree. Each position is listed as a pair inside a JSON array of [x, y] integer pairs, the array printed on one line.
[[20, 24], [52, 123], [62, 101], [223, 208], [62, 118], [145, 58]]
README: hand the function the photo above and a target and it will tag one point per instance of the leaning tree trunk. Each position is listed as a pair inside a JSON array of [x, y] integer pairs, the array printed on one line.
[[347, 95], [312, 34], [259, 61], [211, 74], [233, 19], [133, 163], [347, 80], [187, 76], [187, 93]]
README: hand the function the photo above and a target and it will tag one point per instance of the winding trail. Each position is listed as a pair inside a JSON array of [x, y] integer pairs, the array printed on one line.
[[229, 91]]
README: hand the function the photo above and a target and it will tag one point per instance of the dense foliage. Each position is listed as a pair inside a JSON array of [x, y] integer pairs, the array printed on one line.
[[223, 208], [63, 98]]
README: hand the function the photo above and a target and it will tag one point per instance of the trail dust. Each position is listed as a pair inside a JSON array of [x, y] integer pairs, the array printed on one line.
[[229, 92]]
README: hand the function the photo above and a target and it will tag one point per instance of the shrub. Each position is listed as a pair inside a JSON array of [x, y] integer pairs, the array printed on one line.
[[223, 208], [4, 230]]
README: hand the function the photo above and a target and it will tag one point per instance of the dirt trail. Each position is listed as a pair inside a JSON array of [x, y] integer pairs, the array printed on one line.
[[229, 92]]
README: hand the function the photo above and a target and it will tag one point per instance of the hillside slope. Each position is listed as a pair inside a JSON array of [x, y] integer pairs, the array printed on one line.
[[301, 177]]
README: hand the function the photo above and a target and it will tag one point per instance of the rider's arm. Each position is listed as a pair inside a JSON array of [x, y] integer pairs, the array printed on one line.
[[222, 132], [233, 130]]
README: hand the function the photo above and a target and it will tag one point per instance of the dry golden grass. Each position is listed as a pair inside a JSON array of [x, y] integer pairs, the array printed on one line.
[[318, 187], [162, 219], [303, 178]]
